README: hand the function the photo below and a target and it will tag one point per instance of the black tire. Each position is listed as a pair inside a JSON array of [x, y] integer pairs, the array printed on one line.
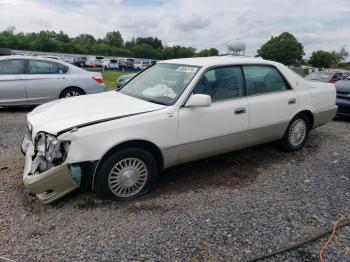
[[102, 179], [286, 143], [71, 92]]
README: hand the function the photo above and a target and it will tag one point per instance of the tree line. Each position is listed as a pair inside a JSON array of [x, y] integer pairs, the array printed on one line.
[[284, 48], [112, 44]]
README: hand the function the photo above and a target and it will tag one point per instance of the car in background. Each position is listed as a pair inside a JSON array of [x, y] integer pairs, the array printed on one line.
[[5, 51], [122, 80], [343, 97], [142, 65], [174, 112], [126, 64], [28, 80], [80, 61], [110, 64], [325, 77], [94, 61]]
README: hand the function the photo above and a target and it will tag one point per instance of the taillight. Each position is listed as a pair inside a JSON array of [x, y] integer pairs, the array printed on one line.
[[98, 79]]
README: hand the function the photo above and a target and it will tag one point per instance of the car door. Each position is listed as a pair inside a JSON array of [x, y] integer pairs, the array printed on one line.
[[272, 102], [44, 81], [206, 131], [12, 82]]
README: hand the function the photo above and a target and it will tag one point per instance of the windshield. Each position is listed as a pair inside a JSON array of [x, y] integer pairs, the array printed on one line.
[[161, 83], [320, 76]]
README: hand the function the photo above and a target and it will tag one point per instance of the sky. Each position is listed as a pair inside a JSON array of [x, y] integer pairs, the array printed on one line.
[[317, 24]]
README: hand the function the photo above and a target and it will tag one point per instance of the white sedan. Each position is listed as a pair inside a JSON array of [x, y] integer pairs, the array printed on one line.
[[30, 80], [175, 111]]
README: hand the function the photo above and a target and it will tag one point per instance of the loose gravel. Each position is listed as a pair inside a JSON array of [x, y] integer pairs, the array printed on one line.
[[226, 208]]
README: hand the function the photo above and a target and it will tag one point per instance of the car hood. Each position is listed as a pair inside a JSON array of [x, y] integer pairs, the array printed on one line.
[[64, 114], [343, 86]]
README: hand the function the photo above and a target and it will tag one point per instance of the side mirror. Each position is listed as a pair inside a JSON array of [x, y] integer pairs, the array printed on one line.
[[198, 100]]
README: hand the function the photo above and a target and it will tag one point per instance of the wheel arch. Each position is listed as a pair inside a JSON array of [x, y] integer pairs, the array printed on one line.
[[82, 90], [139, 143], [309, 115]]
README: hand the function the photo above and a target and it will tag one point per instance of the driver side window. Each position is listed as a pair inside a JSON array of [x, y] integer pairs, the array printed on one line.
[[221, 83]]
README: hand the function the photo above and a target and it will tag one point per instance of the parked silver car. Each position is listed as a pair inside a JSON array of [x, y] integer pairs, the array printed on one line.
[[28, 80]]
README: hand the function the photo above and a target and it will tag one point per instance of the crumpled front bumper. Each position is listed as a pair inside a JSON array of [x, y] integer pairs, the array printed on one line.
[[49, 185]]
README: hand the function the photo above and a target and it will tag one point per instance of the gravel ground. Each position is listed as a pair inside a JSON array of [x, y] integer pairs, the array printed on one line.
[[226, 208]]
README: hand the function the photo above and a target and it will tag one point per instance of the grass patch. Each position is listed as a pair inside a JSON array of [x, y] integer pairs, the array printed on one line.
[[111, 77]]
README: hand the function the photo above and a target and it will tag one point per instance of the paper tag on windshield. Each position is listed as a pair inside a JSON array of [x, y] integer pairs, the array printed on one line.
[[187, 69]]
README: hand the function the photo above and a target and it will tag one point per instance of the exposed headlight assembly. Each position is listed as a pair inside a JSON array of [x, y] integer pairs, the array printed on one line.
[[50, 148]]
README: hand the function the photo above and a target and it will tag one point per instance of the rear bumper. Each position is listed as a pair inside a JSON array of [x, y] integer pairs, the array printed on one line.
[[49, 185], [324, 116]]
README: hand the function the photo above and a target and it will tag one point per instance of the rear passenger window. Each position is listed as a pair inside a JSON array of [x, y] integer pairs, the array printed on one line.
[[62, 69], [221, 83], [45, 67], [11, 67], [263, 79]]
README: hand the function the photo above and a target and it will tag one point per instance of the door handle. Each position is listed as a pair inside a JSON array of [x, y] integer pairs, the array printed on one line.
[[241, 110], [292, 101]]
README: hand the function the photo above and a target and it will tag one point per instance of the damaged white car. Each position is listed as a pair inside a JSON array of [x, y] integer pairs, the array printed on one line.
[[115, 143]]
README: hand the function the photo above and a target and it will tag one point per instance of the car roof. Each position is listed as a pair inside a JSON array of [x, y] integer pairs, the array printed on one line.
[[218, 60]]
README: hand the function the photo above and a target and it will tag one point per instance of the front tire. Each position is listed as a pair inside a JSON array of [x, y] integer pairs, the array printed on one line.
[[126, 174], [296, 134]]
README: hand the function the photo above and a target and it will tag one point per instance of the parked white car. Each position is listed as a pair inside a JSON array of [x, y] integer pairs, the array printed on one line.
[[173, 112], [29, 80], [142, 65]]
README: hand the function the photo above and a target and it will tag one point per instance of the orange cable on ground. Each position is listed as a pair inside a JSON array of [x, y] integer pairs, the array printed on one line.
[[330, 239]]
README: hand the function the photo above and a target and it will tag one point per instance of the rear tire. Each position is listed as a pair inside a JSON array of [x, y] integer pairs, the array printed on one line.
[[296, 134], [71, 92], [126, 174]]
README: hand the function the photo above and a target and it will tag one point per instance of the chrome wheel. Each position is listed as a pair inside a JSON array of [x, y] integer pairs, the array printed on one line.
[[128, 177], [72, 93], [297, 132]]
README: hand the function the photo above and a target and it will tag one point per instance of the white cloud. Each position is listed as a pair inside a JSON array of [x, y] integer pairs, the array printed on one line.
[[318, 24]]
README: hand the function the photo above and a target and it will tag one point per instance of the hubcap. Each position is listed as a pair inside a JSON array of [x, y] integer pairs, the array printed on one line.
[[128, 177], [297, 132], [72, 93]]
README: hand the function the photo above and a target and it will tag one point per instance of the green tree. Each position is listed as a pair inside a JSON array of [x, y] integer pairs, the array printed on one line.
[[153, 42], [62, 37], [209, 52], [131, 43], [323, 59], [114, 39], [145, 51], [339, 56], [85, 39], [284, 48]]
